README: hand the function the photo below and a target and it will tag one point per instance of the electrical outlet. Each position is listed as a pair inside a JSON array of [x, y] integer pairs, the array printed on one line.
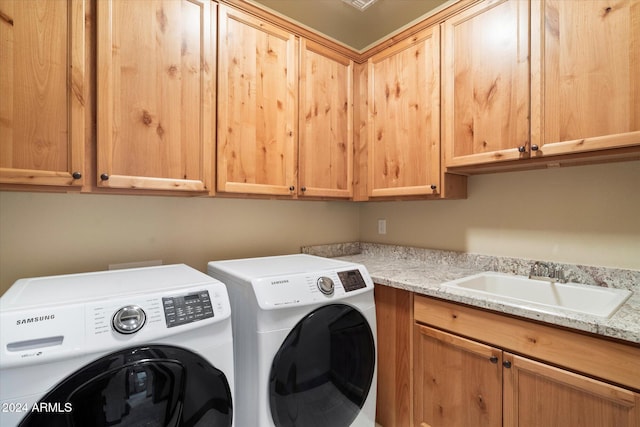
[[382, 226]]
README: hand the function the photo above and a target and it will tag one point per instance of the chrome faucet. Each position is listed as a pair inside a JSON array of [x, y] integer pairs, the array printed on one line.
[[549, 272]]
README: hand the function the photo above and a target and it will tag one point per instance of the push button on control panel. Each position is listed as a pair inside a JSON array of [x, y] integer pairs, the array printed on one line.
[[185, 309]]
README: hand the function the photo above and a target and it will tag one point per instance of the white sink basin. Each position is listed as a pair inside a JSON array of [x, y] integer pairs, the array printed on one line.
[[542, 295]]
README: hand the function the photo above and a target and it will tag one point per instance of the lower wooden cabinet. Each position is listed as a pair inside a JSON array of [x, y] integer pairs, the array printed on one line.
[[442, 364], [461, 382], [457, 382], [394, 317], [537, 394]]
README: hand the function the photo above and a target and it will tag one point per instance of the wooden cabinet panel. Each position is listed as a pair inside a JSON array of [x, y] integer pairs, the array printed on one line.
[[394, 320], [326, 122], [404, 117], [156, 64], [585, 71], [42, 86], [457, 382], [558, 346], [257, 106], [486, 83], [452, 372], [541, 395]]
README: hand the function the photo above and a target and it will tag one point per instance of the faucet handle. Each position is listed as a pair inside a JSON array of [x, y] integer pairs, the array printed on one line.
[[534, 269]]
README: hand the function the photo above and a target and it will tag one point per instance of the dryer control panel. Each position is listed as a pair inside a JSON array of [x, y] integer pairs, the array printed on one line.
[[352, 280], [311, 288]]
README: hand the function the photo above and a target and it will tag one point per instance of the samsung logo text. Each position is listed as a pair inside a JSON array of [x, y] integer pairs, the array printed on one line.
[[35, 319]]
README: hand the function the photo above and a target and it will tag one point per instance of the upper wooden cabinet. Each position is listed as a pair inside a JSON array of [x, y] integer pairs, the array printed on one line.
[[42, 92], [257, 106], [585, 75], [404, 117], [326, 122], [156, 67], [285, 112], [486, 83]]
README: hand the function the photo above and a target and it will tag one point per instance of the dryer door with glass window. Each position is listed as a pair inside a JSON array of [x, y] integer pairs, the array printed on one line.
[[322, 373]]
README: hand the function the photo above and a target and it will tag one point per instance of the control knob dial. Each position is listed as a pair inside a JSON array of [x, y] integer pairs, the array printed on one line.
[[325, 285], [129, 319]]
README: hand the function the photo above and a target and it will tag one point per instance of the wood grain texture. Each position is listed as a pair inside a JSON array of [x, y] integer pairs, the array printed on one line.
[[360, 133], [536, 394], [394, 323], [42, 86], [576, 351], [404, 117], [155, 94], [325, 143], [585, 75], [486, 83], [455, 383], [257, 106]]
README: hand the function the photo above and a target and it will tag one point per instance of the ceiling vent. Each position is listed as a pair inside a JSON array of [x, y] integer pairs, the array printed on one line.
[[360, 4]]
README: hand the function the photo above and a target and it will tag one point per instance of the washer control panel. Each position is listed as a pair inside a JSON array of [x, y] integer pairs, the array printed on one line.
[[183, 309]]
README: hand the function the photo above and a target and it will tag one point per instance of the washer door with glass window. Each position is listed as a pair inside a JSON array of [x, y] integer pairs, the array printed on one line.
[[144, 386], [322, 373]]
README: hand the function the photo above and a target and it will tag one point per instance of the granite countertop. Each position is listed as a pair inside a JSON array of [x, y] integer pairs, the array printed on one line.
[[423, 271]]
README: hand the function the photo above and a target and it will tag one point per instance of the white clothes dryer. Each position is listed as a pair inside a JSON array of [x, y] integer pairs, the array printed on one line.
[[144, 346], [305, 341]]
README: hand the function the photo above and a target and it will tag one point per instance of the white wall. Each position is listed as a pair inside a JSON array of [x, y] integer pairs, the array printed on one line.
[[44, 234], [580, 215], [585, 215]]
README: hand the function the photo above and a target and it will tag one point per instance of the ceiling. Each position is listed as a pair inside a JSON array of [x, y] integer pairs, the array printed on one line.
[[350, 26]]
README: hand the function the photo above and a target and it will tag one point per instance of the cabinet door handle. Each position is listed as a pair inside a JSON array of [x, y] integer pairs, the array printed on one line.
[[506, 364], [493, 359], [534, 147], [76, 175], [104, 177], [291, 188], [522, 149]]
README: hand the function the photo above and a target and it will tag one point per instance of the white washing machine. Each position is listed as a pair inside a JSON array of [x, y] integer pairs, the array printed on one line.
[[145, 346], [305, 341]]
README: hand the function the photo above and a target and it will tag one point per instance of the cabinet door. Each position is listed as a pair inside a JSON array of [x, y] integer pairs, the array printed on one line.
[[536, 395], [486, 83], [155, 94], [585, 75], [457, 382], [257, 106], [404, 117], [42, 96], [326, 122]]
